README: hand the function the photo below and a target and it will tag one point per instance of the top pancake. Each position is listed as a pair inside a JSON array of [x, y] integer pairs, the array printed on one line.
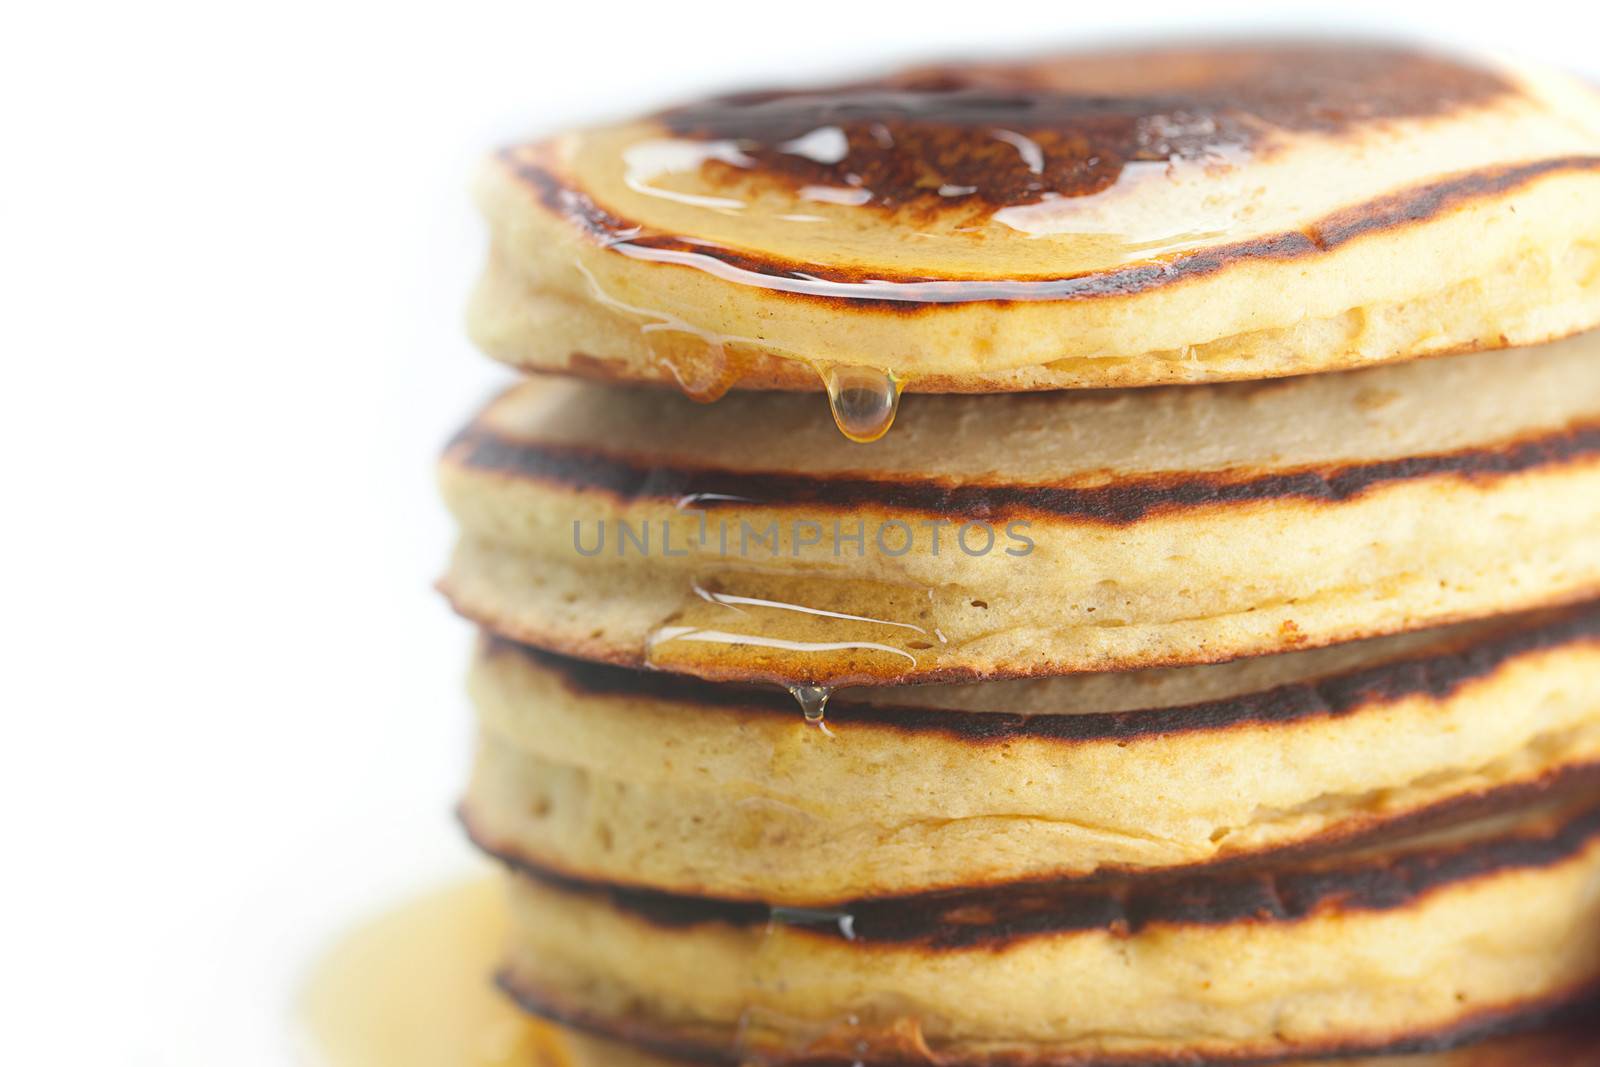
[[1127, 217]]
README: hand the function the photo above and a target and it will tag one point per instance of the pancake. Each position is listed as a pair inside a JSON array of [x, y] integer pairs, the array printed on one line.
[[606, 774], [414, 989], [1109, 218], [1424, 943], [1028, 534], [1565, 1045]]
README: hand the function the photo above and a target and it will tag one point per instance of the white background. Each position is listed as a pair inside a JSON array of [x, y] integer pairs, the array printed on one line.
[[235, 243]]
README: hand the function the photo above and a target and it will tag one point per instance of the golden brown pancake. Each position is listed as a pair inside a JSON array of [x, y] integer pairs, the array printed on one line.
[[1575, 1044], [1127, 217], [1246, 716], [1424, 943], [639, 778], [1028, 534], [413, 989]]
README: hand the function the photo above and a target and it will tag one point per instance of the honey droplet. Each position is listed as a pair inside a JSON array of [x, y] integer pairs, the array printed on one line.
[[813, 701], [700, 365], [698, 360], [864, 400]]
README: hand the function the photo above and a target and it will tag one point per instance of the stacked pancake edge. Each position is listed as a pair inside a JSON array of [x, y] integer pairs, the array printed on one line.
[[1190, 672]]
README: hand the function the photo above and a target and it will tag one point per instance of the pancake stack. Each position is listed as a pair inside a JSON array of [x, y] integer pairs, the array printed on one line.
[[1189, 673]]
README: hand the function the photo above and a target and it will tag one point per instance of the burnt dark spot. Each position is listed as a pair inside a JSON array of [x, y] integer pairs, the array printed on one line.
[[1067, 125], [1435, 673], [634, 477], [889, 290], [1371, 880]]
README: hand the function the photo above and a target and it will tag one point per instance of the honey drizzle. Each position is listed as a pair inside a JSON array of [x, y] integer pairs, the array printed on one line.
[[802, 631], [705, 365], [700, 362]]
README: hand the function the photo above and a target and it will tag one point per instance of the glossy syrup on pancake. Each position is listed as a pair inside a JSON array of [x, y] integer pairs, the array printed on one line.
[[754, 617], [1070, 124], [961, 146], [998, 143], [763, 622], [1013, 148], [965, 166]]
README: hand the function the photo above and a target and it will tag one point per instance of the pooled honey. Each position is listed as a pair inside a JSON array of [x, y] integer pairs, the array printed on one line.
[[412, 988]]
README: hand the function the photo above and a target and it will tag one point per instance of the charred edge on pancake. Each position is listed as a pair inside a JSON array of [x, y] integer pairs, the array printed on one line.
[[911, 138], [1434, 674], [992, 918], [1572, 1010], [1561, 782], [1386, 213], [630, 478]]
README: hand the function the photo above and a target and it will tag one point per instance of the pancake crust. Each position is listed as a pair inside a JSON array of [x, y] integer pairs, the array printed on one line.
[[606, 774], [1161, 526], [1125, 217], [1431, 942]]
